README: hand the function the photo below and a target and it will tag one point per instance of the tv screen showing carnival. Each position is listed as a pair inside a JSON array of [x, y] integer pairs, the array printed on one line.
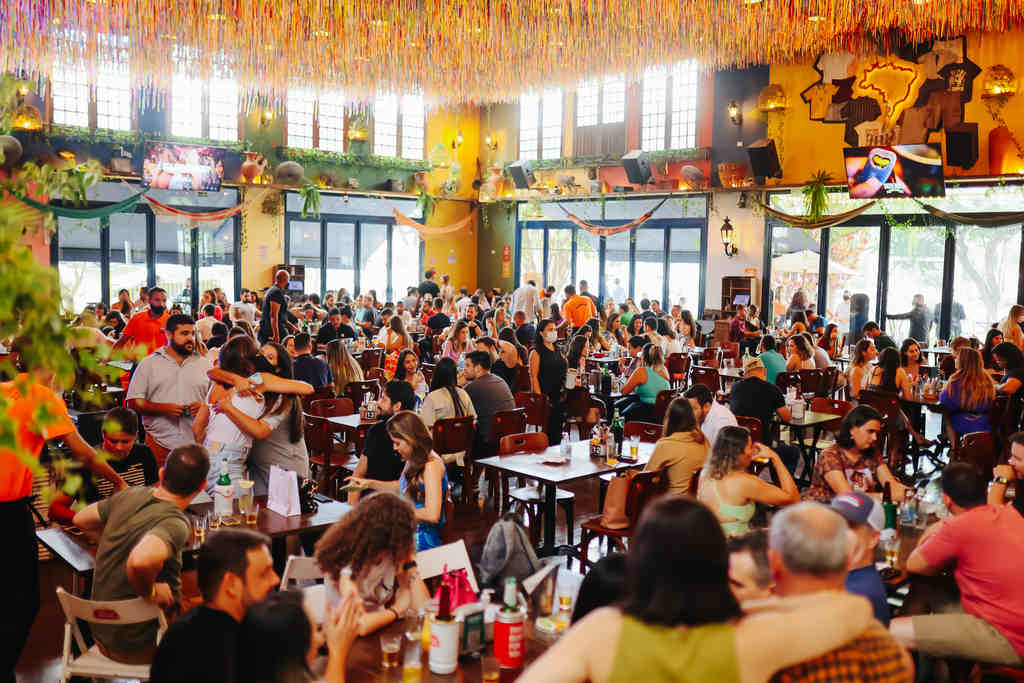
[[169, 166], [896, 171]]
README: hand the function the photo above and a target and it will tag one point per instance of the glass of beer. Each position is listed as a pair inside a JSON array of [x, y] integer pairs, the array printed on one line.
[[214, 521], [390, 644], [634, 449], [199, 523], [891, 547], [412, 662], [490, 669], [252, 514], [245, 500]]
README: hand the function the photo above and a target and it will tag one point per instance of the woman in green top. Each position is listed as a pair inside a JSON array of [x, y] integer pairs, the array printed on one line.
[[680, 623], [731, 491], [647, 380]]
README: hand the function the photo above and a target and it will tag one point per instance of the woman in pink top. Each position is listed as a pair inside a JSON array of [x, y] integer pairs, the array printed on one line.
[[457, 343]]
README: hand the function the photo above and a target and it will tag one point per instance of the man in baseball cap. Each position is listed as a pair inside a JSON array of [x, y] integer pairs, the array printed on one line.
[[866, 519]]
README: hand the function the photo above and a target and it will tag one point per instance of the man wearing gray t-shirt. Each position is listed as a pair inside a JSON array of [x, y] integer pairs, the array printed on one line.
[[489, 394]]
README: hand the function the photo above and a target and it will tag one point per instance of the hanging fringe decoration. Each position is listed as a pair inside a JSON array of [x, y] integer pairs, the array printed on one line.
[[987, 221], [607, 230], [825, 222], [428, 231]]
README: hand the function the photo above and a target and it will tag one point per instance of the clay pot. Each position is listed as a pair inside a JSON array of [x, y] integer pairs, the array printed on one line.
[[250, 167], [289, 173], [11, 149]]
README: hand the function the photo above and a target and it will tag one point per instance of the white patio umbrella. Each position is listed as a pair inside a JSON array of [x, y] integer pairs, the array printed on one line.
[[804, 261]]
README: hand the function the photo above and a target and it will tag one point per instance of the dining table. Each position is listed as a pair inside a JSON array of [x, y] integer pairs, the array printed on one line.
[[545, 467], [814, 421]]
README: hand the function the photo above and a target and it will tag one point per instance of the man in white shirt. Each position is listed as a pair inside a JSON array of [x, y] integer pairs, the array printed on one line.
[[711, 414], [526, 299], [463, 302], [204, 328], [244, 309]]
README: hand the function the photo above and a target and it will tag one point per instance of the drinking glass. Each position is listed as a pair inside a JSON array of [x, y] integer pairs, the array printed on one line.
[[245, 499], [199, 525], [214, 521], [891, 547], [490, 669], [252, 514], [390, 644], [634, 448]]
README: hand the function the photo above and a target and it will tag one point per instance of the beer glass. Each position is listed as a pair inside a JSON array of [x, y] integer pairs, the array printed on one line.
[[390, 644]]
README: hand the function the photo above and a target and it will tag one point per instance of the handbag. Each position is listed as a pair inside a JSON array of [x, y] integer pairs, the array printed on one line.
[[614, 514], [458, 582]]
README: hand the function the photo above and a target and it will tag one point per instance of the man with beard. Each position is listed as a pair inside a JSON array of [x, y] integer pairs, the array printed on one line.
[[168, 388], [146, 328]]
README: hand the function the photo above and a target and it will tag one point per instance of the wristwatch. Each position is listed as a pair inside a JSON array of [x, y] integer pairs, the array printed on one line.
[[256, 379], [1001, 480]]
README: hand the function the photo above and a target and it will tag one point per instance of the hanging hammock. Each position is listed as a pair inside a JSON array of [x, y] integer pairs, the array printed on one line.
[[996, 220], [428, 231], [195, 217], [823, 222], [606, 230], [85, 214]]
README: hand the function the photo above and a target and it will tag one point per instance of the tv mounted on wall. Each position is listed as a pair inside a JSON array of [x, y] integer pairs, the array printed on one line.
[[896, 171], [170, 166]]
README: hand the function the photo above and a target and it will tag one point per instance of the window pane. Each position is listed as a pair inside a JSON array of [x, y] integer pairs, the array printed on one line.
[[174, 261], [127, 253], [187, 107], [916, 255], [559, 260], [684, 269], [529, 107], [341, 257], [331, 120], [405, 260], [299, 111], [223, 109], [852, 271], [613, 108], [114, 98], [684, 105], [413, 122], [373, 259], [650, 264], [531, 257], [552, 125], [70, 90], [588, 259], [385, 126], [616, 265], [985, 280], [794, 268], [78, 262], [587, 96], [217, 257], [653, 106], [304, 249]]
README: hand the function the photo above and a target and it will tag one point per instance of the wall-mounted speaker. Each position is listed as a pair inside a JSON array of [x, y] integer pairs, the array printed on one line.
[[522, 175], [764, 160], [962, 145], [638, 169]]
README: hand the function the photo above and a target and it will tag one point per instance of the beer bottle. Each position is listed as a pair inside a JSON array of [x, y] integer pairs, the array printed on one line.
[[617, 430]]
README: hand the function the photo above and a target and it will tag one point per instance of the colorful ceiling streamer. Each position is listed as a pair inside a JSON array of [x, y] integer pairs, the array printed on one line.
[[457, 51]]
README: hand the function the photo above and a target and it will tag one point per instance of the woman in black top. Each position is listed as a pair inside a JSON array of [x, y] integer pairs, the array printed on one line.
[[547, 376], [993, 338], [1010, 360]]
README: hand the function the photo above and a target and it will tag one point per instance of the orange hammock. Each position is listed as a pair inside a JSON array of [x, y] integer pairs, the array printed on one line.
[[824, 222], [428, 231], [161, 209], [606, 230]]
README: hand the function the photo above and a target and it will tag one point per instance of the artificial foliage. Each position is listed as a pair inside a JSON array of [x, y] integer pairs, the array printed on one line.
[[320, 156]]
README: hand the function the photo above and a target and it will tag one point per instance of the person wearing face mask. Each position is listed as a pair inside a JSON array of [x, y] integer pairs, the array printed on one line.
[[169, 386], [146, 328], [547, 376]]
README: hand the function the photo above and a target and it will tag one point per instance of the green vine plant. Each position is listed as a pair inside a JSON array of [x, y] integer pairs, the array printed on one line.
[[815, 193], [319, 156], [310, 194], [425, 203]]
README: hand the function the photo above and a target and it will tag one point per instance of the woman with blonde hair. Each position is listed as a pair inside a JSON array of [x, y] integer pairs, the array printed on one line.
[[801, 355], [1010, 327], [344, 367], [423, 480], [396, 338], [969, 396], [247, 326], [641, 390]]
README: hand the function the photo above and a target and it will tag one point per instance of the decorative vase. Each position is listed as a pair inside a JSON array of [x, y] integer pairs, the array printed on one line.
[[12, 150], [289, 173], [250, 167]]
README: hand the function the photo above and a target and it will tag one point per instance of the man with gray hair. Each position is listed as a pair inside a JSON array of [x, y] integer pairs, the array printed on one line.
[[809, 550]]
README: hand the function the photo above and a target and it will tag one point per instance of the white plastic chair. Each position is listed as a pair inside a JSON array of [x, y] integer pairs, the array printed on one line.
[[92, 663], [300, 568], [432, 562]]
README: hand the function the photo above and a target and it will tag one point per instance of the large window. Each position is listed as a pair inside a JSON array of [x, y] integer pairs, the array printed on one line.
[[914, 294], [186, 106], [114, 98], [852, 275], [299, 112], [650, 271], [69, 87], [204, 109], [128, 248], [223, 109], [601, 102], [986, 274], [540, 126], [559, 271], [531, 257], [79, 262], [684, 260], [330, 114], [217, 257], [399, 124], [358, 240], [794, 267], [588, 259], [668, 109]]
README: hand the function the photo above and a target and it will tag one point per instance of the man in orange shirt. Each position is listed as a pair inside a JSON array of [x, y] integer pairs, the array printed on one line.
[[578, 308], [29, 397], [146, 329]]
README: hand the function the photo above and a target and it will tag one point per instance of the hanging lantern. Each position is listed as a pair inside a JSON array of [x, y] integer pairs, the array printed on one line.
[[26, 117], [772, 98], [999, 81]]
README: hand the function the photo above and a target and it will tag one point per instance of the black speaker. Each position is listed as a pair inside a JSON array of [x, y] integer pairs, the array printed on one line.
[[962, 145], [638, 169], [764, 160], [522, 174]]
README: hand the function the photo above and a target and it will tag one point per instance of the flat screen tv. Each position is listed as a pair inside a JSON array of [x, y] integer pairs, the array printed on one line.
[[170, 166], [897, 171]]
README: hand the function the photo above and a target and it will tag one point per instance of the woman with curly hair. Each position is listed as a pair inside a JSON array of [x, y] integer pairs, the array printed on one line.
[[375, 539], [423, 480], [730, 491]]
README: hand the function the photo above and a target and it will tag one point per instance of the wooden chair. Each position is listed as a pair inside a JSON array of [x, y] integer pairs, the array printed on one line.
[[701, 374], [785, 380], [811, 381], [331, 407], [979, 449], [531, 498], [375, 375], [505, 422], [678, 366], [647, 432], [327, 458], [661, 402], [831, 406], [752, 425], [455, 435], [537, 406], [317, 395], [428, 372], [830, 383], [731, 350], [356, 391], [370, 359], [577, 409], [522, 381], [643, 487], [894, 434]]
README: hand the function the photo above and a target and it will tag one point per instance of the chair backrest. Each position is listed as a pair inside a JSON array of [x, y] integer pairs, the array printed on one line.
[[701, 374], [318, 394], [454, 556], [695, 482], [731, 350], [537, 408], [834, 407], [643, 488], [318, 437], [577, 402], [811, 381], [887, 404], [332, 407], [428, 372], [453, 434], [357, 390], [648, 432], [979, 449], [753, 425], [830, 383], [369, 359], [678, 366], [508, 422], [300, 568], [785, 380], [113, 612], [522, 379], [375, 374], [527, 442], [661, 402]]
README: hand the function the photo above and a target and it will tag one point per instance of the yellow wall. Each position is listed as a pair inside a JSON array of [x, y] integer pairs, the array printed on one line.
[[808, 146], [263, 242], [460, 246]]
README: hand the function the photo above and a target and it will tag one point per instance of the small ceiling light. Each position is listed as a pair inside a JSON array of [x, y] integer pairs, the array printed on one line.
[[735, 114], [815, 18], [22, 90]]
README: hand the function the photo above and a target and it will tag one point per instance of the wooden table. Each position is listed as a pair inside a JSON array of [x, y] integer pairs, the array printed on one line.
[[580, 466], [352, 421], [730, 374], [810, 420], [78, 552]]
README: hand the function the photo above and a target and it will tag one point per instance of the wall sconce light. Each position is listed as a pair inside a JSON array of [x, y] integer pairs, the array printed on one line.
[[491, 143], [266, 117], [457, 140], [735, 114], [729, 238]]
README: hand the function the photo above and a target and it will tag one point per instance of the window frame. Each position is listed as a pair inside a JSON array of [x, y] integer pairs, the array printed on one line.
[[204, 114], [538, 154], [670, 107], [400, 117]]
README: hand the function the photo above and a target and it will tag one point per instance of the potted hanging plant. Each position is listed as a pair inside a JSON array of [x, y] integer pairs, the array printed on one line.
[[310, 194], [815, 193]]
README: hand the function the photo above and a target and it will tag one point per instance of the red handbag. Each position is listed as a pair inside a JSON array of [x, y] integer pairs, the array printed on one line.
[[458, 582]]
